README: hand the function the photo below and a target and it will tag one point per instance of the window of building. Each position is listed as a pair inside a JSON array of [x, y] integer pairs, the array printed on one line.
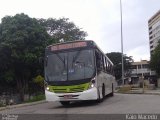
[[139, 66], [151, 51], [150, 28], [150, 37], [134, 67], [151, 42], [145, 66], [150, 32]]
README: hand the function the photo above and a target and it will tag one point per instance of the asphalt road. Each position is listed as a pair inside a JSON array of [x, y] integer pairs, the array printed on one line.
[[119, 104]]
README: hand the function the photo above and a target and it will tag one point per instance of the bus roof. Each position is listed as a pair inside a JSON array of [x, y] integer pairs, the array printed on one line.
[[75, 41], [75, 44]]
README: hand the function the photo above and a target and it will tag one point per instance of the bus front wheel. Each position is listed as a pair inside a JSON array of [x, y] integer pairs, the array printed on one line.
[[65, 103], [112, 93], [103, 92], [99, 100]]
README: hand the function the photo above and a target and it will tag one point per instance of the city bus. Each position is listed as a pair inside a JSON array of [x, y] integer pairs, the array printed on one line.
[[77, 71]]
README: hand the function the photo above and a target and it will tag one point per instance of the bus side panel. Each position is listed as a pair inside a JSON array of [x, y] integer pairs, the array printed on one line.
[[99, 83], [104, 79]]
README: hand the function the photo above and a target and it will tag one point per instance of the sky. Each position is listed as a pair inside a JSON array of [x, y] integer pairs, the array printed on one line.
[[99, 18]]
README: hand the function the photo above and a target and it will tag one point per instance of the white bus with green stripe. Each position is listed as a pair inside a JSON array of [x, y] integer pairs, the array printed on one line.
[[76, 71]]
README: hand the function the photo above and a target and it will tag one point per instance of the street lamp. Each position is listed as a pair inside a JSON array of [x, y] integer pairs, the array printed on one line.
[[122, 43]]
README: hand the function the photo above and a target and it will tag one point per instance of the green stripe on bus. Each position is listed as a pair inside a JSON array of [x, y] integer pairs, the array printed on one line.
[[67, 89]]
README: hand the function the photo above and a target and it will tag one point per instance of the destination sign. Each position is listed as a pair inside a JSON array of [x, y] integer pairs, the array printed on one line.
[[68, 46]]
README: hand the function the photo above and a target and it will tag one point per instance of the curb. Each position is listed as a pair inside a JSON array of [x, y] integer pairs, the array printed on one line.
[[22, 105], [140, 93]]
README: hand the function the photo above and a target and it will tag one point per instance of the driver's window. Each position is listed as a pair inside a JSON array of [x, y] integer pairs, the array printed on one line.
[[98, 61]]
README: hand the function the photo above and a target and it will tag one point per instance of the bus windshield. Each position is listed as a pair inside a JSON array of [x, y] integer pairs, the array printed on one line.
[[73, 65]]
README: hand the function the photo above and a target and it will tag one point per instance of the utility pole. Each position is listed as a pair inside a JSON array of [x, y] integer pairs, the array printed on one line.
[[122, 43], [143, 82], [142, 79]]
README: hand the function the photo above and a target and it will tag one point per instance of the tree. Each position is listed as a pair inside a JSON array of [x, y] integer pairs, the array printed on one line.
[[22, 42], [155, 60], [116, 58], [62, 29]]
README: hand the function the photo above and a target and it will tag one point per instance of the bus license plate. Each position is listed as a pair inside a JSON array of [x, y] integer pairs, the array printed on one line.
[[67, 96]]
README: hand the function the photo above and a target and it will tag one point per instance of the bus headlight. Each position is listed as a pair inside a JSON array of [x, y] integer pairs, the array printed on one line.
[[46, 86], [92, 83]]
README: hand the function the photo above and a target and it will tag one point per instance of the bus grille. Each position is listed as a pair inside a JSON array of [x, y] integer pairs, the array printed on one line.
[[69, 89], [80, 89]]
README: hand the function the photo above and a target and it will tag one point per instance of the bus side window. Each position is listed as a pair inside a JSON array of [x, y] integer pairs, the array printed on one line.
[[113, 70], [105, 64], [109, 68], [102, 62], [98, 61]]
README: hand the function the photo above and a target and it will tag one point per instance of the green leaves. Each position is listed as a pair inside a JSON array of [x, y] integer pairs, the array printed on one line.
[[62, 29], [9, 76], [116, 58], [155, 60], [23, 41], [39, 80]]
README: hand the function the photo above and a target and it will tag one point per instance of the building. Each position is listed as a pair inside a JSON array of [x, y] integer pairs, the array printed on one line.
[[141, 70], [154, 31]]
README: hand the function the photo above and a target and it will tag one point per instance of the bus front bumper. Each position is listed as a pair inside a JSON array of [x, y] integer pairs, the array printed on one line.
[[90, 94]]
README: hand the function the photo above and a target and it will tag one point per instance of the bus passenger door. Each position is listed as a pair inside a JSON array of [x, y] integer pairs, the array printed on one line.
[[99, 72]]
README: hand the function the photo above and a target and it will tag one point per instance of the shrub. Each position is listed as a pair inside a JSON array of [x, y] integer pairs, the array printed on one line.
[[125, 88], [36, 98]]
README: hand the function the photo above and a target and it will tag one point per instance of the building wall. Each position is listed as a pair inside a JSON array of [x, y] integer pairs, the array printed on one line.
[[141, 68], [154, 31]]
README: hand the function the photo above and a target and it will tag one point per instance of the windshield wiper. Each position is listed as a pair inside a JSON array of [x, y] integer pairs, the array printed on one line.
[[63, 61], [76, 56]]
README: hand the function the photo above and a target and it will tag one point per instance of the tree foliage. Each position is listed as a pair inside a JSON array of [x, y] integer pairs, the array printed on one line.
[[155, 60], [22, 43], [116, 58], [62, 29]]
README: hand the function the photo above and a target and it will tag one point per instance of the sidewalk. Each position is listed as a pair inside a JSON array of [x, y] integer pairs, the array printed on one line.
[[140, 91], [146, 91], [22, 105]]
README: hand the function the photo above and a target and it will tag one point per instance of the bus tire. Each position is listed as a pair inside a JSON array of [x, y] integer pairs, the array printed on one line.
[[112, 93], [99, 100], [65, 103], [103, 91]]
